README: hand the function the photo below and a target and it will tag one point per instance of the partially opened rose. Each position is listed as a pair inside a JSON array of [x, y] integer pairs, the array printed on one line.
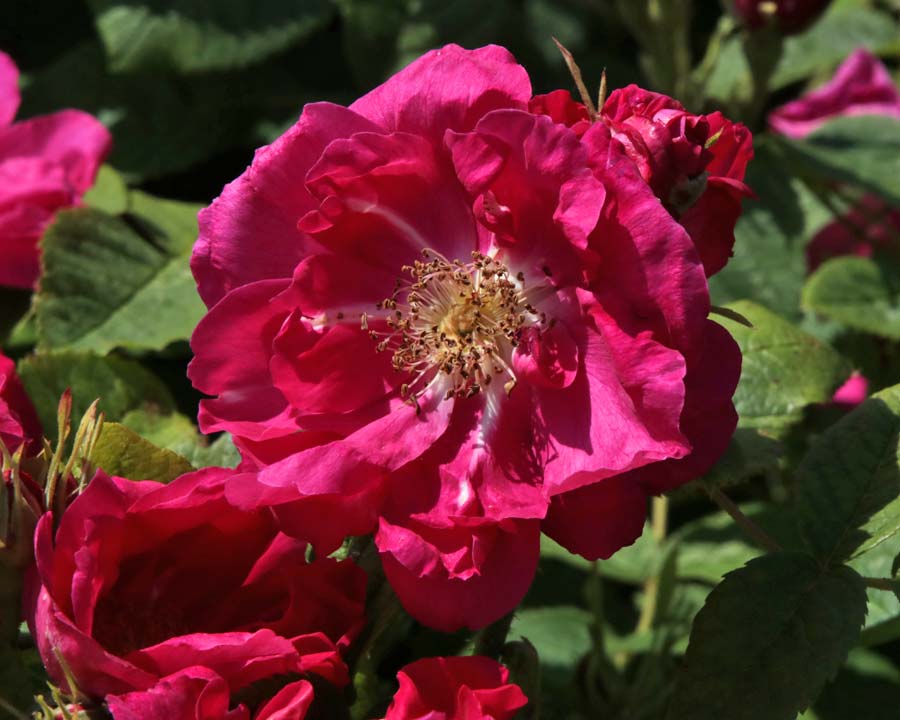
[[433, 312], [695, 164], [142, 581], [46, 163], [862, 85], [455, 688]]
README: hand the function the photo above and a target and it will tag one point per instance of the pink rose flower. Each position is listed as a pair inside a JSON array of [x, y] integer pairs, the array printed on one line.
[[455, 688], [198, 693], [853, 392], [790, 16], [155, 589], [862, 85], [18, 419], [46, 163], [433, 312], [695, 164]]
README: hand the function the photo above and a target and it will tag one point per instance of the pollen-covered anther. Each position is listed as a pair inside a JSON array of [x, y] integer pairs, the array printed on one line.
[[458, 320]]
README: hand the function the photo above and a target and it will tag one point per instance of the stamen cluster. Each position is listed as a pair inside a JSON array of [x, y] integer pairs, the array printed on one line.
[[462, 319]]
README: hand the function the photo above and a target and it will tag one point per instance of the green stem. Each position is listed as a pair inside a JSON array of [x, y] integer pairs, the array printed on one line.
[[756, 533], [489, 641], [659, 520]]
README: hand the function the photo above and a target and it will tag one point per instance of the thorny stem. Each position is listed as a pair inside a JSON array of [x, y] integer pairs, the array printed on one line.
[[760, 536], [659, 520]]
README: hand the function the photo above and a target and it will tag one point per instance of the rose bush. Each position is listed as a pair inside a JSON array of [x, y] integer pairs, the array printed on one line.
[[117, 610], [438, 315], [455, 688], [46, 163]]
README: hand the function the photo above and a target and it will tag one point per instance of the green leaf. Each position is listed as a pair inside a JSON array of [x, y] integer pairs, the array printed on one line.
[[769, 264], [829, 41], [768, 639], [107, 285], [122, 385], [109, 192], [749, 454], [866, 688], [883, 616], [120, 451], [561, 634], [784, 370], [179, 434], [196, 36], [862, 151], [635, 563], [859, 293], [848, 485]]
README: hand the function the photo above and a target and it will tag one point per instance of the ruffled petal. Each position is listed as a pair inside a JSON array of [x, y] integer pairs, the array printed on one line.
[[449, 88]]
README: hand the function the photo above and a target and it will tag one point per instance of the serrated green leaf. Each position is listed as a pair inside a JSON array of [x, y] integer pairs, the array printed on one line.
[[866, 688], [784, 370], [860, 293], [122, 385], [107, 285], [863, 150], [768, 639], [883, 616], [848, 485], [121, 451], [197, 36]]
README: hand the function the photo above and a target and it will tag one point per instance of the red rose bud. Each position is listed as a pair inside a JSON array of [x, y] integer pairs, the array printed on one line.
[[143, 581], [455, 688], [789, 16], [695, 164]]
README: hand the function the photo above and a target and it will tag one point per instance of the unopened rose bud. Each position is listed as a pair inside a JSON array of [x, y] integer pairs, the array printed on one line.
[[789, 16]]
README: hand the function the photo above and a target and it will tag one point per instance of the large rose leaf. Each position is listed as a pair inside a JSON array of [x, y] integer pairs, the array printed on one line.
[[848, 485], [768, 639]]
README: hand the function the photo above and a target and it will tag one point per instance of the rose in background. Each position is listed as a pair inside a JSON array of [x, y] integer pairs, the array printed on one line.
[[861, 85], [46, 163], [789, 16], [455, 688], [435, 312], [156, 593], [19, 422]]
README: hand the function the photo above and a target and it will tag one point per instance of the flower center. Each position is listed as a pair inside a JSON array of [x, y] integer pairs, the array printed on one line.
[[460, 321]]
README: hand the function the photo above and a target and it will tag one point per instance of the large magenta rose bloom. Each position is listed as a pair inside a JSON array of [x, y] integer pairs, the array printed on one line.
[[695, 164], [434, 312], [160, 589], [861, 85], [46, 163], [455, 688], [789, 16]]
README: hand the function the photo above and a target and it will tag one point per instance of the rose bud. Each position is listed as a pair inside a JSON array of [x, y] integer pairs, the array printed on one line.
[[455, 688], [789, 16]]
